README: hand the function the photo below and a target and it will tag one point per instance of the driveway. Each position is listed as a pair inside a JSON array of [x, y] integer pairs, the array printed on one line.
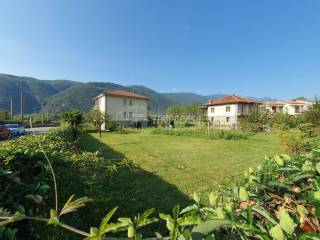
[[38, 130]]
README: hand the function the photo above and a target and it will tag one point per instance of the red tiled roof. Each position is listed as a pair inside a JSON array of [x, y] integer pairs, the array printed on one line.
[[122, 93], [229, 100]]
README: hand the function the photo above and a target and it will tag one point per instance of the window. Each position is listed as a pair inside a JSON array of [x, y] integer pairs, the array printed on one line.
[[125, 115], [212, 119], [212, 110], [124, 102], [130, 115], [227, 119], [228, 108], [297, 109], [130, 102]]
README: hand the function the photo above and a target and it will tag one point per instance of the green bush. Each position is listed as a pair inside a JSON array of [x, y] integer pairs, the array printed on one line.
[[284, 121], [113, 126], [295, 140], [213, 134]]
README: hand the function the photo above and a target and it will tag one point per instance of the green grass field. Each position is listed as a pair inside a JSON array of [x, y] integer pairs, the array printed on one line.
[[169, 169]]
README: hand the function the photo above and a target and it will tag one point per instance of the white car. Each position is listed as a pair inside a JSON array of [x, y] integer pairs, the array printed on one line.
[[16, 128]]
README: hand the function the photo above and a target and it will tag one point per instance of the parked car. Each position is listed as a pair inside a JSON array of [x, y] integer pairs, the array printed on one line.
[[16, 128], [5, 132]]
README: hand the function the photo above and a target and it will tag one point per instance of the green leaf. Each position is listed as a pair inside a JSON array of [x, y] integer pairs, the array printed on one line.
[[302, 211], [176, 212], [310, 236], [307, 166], [279, 160], [131, 232], [53, 217], [213, 199], [94, 232], [285, 157], [263, 212], [220, 213], [17, 217], [189, 220], [243, 194], [169, 221], [204, 228], [72, 206], [277, 233], [316, 195], [147, 213], [286, 222], [125, 220], [196, 197], [103, 228], [318, 167], [116, 227], [193, 207]]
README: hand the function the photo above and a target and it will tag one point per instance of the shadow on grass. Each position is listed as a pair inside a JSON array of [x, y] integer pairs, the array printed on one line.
[[133, 190]]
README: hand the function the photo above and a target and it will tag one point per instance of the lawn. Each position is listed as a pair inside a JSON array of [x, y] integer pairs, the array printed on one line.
[[169, 169]]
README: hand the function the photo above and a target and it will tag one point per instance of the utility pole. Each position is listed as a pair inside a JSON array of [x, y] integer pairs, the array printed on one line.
[[11, 108], [42, 113], [21, 107]]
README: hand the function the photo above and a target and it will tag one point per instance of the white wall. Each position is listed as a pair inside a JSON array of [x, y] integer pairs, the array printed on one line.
[[290, 109], [220, 115], [115, 108]]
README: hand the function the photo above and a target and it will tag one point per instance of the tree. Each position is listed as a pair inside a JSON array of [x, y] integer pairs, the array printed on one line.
[[97, 118], [184, 109], [312, 115], [256, 119], [74, 118]]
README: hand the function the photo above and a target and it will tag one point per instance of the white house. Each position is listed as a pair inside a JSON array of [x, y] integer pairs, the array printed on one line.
[[291, 107], [226, 111], [126, 107]]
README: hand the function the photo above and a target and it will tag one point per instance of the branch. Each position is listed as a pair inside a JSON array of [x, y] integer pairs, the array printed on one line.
[[51, 169]]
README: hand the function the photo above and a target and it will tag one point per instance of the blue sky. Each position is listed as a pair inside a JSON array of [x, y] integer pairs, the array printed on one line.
[[252, 48]]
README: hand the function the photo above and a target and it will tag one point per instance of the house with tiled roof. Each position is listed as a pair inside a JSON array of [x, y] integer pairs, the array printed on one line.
[[227, 111], [129, 108], [291, 107]]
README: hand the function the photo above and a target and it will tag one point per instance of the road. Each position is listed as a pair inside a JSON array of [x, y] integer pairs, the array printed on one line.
[[37, 131]]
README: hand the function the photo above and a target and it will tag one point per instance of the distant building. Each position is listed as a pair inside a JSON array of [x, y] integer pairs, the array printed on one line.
[[129, 108], [227, 111], [291, 107]]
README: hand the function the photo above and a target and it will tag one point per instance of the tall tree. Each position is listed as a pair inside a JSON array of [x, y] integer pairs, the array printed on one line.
[[312, 115], [97, 119]]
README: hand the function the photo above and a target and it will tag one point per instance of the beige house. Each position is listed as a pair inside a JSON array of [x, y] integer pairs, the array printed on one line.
[[226, 111], [126, 107], [291, 107]]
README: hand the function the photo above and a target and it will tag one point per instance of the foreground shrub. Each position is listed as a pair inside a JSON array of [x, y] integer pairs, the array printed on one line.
[[213, 134], [113, 126], [256, 120], [278, 200], [295, 140]]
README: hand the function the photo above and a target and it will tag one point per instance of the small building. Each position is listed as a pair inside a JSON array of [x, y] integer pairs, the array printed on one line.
[[226, 111], [126, 107], [291, 107]]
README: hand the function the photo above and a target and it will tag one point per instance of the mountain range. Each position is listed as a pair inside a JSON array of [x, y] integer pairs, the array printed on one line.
[[62, 95]]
